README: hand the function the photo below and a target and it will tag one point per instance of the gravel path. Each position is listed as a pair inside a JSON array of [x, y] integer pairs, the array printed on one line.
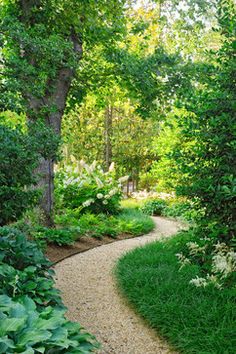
[[89, 291]]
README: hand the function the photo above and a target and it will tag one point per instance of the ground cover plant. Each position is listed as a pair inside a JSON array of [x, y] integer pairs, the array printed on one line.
[[32, 315], [128, 221], [193, 319]]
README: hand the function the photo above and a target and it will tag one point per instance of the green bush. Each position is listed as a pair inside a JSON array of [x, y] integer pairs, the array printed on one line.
[[20, 154], [23, 329], [129, 220], [85, 188], [154, 207], [98, 225], [18, 160], [182, 209]]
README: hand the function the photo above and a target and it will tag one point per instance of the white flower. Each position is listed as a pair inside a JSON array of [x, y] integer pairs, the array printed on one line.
[[182, 260], [224, 264], [199, 282], [88, 202], [99, 195], [99, 182], [113, 191], [112, 166], [105, 202], [82, 163], [194, 248]]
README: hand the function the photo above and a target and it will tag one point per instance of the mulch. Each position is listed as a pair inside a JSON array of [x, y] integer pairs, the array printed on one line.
[[57, 253]]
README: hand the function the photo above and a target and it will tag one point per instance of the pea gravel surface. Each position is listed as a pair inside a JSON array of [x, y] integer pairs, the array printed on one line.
[[89, 291]]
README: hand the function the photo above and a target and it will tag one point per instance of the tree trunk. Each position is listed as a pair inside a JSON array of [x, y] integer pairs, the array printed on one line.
[[46, 185], [55, 97], [108, 137], [46, 169]]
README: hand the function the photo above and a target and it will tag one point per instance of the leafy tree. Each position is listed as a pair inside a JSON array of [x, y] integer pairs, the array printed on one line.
[[208, 168], [42, 47]]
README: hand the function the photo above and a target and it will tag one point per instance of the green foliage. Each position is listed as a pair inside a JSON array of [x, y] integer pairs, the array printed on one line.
[[43, 39], [18, 160], [178, 208], [154, 207], [99, 225], [206, 159], [15, 283], [31, 311], [183, 209], [65, 236], [24, 329], [134, 222], [20, 253], [193, 320], [20, 154], [88, 189], [128, 221]]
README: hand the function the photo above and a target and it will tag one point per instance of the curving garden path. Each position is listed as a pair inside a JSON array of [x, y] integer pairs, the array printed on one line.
[[90, 293]]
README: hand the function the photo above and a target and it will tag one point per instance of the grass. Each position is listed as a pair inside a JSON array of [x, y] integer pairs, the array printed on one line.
[[193, 320], [134, 222]]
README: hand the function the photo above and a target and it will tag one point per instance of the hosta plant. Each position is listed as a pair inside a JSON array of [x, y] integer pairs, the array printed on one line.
[[19, 252], [87, 188], [23, 329], [15, 283]]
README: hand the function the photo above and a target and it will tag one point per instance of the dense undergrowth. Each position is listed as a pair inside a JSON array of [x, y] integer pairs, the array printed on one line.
[[32, 315], [193, 319], [70, 227]]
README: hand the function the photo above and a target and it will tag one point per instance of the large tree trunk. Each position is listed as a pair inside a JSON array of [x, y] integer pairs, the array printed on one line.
[[108, 137], [46, 168]]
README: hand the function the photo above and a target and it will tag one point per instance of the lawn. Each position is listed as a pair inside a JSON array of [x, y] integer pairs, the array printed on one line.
[[193, 320]]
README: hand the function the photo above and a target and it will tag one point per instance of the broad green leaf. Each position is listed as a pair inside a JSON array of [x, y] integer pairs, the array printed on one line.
[[10, 325]]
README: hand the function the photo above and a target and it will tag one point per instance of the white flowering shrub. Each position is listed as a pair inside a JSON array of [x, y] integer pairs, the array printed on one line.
[[217, 262], [87, 188]]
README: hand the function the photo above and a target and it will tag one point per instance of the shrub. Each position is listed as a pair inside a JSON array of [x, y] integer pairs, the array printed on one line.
[[20, 154], [18, 160], [130, 221], [183, 209], [154, 207], [24, 329], [88, 188]]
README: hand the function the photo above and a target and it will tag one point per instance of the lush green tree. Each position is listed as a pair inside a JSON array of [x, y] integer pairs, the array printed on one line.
[[130, 138], [42, 46], [208, 167]]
